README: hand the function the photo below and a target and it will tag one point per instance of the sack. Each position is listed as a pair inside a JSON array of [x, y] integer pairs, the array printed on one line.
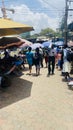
[[35, 56]]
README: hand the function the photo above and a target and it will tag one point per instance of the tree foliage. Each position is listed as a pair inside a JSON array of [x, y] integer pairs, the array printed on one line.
[[48, 32]]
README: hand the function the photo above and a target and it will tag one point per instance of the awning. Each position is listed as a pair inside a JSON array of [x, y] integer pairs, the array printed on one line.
[[9, 27], [7, 42]]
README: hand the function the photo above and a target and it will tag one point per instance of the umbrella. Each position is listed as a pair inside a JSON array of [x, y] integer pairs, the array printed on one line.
[[25, 44], [9, 27], [47, 44], [59, 43], [36, 45], [7, 42]]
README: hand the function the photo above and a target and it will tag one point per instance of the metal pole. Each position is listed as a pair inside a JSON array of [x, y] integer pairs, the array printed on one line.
[[66, 16], [3, 9]]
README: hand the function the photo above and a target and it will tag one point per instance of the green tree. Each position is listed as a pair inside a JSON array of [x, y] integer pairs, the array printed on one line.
[[47, 32]]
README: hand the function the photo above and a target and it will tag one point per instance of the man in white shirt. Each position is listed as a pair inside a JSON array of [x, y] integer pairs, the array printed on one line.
[[51, 60]]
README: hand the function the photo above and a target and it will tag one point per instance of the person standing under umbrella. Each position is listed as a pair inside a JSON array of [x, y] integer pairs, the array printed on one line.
[[29, 57], [51, 60]]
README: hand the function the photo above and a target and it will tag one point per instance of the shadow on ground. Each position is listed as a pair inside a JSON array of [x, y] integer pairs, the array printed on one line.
[[18, 90]]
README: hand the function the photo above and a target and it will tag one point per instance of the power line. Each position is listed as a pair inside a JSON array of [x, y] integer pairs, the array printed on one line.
[[50, 4]]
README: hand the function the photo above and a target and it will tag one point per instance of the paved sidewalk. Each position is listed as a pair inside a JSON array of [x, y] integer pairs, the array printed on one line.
[[37, 103]]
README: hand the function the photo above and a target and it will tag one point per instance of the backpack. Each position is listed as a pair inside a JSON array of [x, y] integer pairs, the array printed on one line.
[[34, 58], [70, 55]]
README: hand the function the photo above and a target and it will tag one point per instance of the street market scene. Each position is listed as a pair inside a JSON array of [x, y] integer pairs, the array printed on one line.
[[36, 65]]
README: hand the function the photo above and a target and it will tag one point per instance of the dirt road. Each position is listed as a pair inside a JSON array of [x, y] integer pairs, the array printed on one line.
[[37, 103]]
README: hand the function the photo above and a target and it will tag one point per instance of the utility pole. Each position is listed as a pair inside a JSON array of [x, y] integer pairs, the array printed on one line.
[[3, 10], [66, 17]]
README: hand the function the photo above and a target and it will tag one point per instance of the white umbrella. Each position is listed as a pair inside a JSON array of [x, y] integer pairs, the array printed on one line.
[[36, 45], [47, 44], [59, 43]]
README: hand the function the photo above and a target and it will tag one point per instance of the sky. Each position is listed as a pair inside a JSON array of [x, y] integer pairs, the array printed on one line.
[[40, 14]]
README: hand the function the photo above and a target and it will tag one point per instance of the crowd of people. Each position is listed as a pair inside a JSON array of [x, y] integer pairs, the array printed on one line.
[[36, 58], [54, 58]]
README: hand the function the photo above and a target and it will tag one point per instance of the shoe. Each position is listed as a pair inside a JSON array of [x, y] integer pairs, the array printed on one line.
[[48, 74], [53, 73]]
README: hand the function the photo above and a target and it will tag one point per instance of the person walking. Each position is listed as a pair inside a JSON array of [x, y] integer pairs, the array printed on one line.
[[46, 57], [51, 60], [29, 57], [41, 60], [59, 60], [66, 63], [37, 61]]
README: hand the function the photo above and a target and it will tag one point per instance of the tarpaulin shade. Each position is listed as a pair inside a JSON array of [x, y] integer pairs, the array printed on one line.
[[9, 27], [6, 42], [26, 44]]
